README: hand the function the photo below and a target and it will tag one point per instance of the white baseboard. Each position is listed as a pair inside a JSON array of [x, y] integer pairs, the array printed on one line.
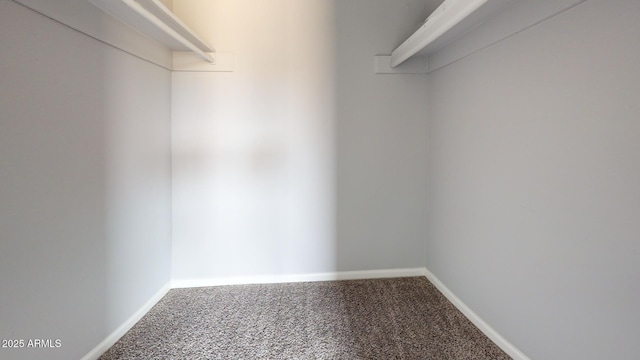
[[505, 345], [274, 279], [127, 325], [492, 334]]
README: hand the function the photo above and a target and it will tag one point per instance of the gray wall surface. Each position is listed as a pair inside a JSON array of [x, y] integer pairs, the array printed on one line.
[[381, 139], [84, 185], [534, 196], [87, 18]]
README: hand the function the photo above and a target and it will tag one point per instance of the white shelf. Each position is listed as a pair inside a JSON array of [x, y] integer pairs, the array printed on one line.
[[152, 18], [452, 19]]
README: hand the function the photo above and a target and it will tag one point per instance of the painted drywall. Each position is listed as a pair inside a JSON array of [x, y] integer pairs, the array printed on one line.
[[302, 160], [83, 16], [381, 139], [252, 162], [84, 185], [533, 188], [515, 16]]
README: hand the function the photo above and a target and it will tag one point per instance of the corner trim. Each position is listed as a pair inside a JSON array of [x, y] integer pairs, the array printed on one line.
[[110, 340], [490, 332]]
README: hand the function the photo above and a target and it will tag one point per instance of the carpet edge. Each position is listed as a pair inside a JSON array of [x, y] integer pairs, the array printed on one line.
[[483, 326], [112, 338]]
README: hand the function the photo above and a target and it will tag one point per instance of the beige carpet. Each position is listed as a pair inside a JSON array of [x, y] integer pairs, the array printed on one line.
[[403, 318]]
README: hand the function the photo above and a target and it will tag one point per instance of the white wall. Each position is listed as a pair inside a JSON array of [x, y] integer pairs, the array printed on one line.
[[534, 173], [252, 160], [302, 160], [84, 185]]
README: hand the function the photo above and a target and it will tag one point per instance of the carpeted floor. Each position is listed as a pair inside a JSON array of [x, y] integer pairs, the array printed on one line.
[[402, 318]]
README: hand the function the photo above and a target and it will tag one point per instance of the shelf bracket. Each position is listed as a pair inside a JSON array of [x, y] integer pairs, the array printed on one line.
[[415, 65], [185, 61]]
